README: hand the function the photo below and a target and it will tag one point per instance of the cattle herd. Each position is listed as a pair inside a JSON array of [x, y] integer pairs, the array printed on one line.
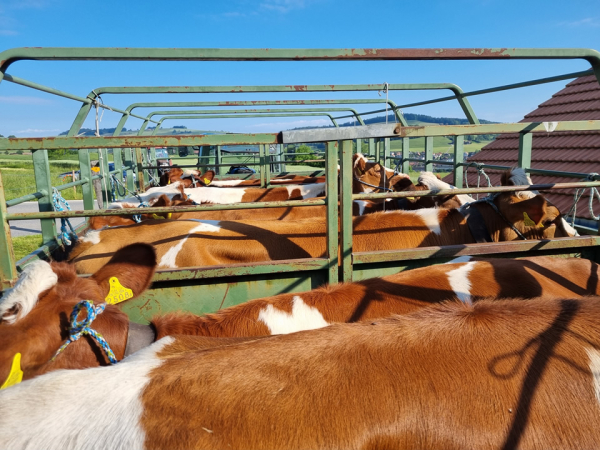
[[476, 353]]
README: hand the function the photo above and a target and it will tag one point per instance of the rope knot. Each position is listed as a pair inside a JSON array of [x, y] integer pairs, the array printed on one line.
[[82, 327]]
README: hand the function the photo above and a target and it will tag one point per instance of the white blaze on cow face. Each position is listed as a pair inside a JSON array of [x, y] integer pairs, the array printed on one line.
[[430, 217], [303, 317], [307, 190], [460, 283], [169, 259], [43, 412], [594, 356], [21, 299]]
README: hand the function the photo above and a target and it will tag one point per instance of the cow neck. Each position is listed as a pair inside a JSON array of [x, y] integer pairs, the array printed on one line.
[[383, 188], [138, 337], [475, 223], [489, 199]]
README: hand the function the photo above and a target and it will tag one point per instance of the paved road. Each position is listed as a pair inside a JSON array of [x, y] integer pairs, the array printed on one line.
[[29, 227]]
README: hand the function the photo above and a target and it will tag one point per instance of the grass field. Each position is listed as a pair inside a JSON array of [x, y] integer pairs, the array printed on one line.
[[24, 245]]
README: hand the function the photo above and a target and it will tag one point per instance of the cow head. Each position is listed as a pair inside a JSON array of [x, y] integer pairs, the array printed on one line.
[[530, 212], [35, 313], [371, 177], [187, 177]]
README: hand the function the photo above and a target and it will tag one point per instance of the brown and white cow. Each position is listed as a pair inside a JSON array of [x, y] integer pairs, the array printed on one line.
[[185, 243], [495, 375], [429, 181], [187, 178], [34, 315]]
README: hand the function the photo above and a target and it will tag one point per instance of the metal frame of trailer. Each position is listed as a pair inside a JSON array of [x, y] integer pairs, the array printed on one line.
[[204, 289]]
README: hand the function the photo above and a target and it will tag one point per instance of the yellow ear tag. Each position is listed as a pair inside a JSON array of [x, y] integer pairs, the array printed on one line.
[[95, 169], [530, 223], [154, 216], [412, 199], [16, 374], [168, 181], [206, 181], [117, 293]]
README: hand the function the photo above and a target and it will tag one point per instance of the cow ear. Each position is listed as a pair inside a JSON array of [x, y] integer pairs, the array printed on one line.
[[207, 177], [133, 267], [532, 209], [359, 162]]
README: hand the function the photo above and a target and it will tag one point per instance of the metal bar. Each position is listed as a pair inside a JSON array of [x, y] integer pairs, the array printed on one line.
[[234, 116], [345, 162], [405, 155], [93, 142], [85, 175], [428, 153], [395, 130], [43, 183], [525, 145], [332, 211], [8, 272], [459, 157], [26, 198], [130, 169]]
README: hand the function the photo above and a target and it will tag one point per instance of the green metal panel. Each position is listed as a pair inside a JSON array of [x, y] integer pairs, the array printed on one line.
[[346, 210], [459, 158], [118, 160], [525, 144], [130, 168], [8, 272], [428, 153], [332, 211], [205, 296], [43, 183], [405, 155], [85, 174]]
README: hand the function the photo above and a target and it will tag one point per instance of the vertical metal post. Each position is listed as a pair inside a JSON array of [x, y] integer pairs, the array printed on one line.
[[371, 147], [218, 160], [378, 150], [129, 168], [118, 160], [346, 210], [331, 165], [85, 173], [358, 145], [386, 151], [139, 160], [525, 144], [459, 158], [105, 181], [282, 167], [405, 155], [428, 153], [43, 183], [8, 271], [153, 162], [261, 161]]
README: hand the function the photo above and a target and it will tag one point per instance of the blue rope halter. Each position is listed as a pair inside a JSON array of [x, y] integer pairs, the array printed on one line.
[[80, 328], [58, 201]]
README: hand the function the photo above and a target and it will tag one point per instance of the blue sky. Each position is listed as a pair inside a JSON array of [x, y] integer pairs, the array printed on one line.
[[284, 24]]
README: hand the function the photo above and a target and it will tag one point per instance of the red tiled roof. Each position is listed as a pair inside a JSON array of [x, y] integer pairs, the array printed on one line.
[[568, 151]]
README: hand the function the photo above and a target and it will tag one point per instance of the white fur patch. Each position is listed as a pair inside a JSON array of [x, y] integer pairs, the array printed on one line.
[[189, 173], [460, 283], [359, 157], [434, 183], [307, 190], [303, 317], [95, 408], [92, 236], [215, 195], [594, 356], [35, 279], [568, 228], [169, 259], [225, 183], [431, 218], [361, 206], [460, 259], [519, 177], [153, 193]]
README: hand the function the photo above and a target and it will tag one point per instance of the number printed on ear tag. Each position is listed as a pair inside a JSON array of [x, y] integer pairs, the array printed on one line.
[[118, 293]]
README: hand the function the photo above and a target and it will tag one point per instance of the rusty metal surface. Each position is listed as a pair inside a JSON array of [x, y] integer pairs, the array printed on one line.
[[452, 251]]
